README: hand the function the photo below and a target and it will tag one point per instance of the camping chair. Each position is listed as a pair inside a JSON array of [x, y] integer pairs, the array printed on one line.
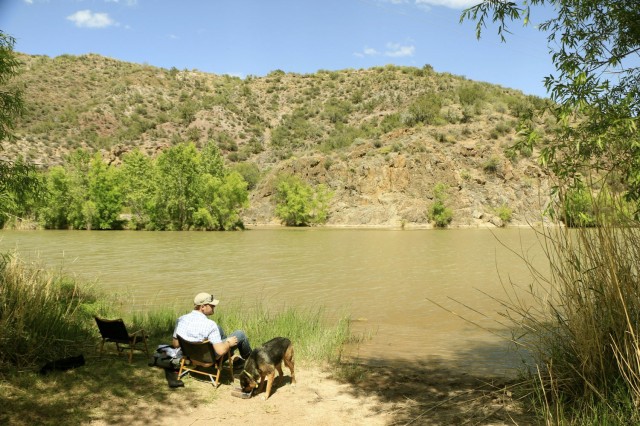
[[201, 354], [115, 331]]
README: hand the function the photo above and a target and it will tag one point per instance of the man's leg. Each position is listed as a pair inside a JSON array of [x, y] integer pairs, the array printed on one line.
[[243, 344]]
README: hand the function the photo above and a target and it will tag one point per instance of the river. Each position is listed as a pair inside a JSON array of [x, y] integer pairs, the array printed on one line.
[[386, 280]]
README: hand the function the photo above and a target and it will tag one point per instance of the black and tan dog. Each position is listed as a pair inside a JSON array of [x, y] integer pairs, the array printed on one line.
[[263, 363]]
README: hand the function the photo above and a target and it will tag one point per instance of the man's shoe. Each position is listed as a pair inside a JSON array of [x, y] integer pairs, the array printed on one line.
[[172, 378], [238, 363]]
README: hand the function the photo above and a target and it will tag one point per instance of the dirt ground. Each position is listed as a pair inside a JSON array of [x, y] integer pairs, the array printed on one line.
[[387, 395]]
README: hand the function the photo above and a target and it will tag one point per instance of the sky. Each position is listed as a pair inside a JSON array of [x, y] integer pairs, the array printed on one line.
[[254, 37]]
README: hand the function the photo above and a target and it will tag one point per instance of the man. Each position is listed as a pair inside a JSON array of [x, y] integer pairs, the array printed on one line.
[[196, 327]]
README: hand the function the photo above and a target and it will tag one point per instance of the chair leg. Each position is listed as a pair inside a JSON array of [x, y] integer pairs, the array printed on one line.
[[217, 381], [181, 368], [230, 368]]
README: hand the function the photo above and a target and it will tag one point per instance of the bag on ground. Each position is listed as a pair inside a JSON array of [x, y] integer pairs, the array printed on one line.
[[166, 356]]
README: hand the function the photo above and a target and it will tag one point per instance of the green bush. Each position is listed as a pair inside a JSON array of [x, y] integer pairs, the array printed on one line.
[[492, 165], [504, 213], [250, 172], [300, 204], [578, 208], [471, 93], [439, 213], [425, 109], [337, 111]]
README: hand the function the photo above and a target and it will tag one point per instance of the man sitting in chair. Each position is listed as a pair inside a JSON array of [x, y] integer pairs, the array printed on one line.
[[196, 327]]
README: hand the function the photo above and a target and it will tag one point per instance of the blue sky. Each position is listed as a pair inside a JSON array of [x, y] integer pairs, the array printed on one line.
[[255, 37]]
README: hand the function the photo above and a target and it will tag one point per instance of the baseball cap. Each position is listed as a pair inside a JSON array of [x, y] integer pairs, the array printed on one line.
[[205, 299]]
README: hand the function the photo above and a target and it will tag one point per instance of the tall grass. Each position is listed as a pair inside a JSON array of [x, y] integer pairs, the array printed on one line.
[[43, 316], [583, 325], [314, 338]]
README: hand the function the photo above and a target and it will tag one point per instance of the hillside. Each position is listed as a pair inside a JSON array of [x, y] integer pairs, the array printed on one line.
[[379, 138]]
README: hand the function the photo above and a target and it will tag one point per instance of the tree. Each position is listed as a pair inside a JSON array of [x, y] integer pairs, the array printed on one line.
[[178, 185], [211, 160], [594, 45], [79, 210], [223, 199], [439, 213], [17, 180], [425, 109], [54, 210], [300, 204], [105, 197], [11, 102], [138, 186]]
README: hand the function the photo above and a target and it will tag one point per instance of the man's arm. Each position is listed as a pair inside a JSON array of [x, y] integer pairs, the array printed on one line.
[[224, 346]]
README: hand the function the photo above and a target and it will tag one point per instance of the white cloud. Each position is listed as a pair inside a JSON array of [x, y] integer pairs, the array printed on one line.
[[453, 4], [125, 2], [28, 1], [395, 50], [367, 51], [89, 19]]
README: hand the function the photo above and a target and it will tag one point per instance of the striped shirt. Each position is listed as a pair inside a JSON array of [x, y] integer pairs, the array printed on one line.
[[196, 327]]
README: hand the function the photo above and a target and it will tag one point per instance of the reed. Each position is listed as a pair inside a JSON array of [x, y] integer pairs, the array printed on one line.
[[43, 315], [582, 326]]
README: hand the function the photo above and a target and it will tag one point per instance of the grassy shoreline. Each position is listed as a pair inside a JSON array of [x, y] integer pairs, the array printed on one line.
[[46, 315]]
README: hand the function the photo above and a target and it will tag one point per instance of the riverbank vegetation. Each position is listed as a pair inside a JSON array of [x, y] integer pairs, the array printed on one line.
[[47, 315], [183, 188], [584, 325]]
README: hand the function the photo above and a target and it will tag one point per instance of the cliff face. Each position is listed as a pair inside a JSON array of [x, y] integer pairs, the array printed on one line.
[[380, 139], [395, 189]]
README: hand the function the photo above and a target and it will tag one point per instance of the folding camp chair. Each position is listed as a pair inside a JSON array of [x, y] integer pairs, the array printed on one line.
[[115, 331], [201, 354]]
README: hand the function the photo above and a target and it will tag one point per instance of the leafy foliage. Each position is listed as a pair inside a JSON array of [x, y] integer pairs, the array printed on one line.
[[222, 199], [182, 189], [594, 46], [178, 176], [11, 97], [439, 213], [54, 211], [504, 212], [586, 347], [425, 109], [18, 184], [137, 179], [20, 189], [300, 204]]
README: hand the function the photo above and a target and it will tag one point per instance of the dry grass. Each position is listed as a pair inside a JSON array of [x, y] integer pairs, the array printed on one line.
[[580, 323]]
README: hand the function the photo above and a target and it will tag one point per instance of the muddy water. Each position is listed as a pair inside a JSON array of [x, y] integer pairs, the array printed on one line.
[[386, 280]]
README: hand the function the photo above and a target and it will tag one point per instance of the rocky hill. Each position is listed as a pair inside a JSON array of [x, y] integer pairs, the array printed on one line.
[[381, 139]]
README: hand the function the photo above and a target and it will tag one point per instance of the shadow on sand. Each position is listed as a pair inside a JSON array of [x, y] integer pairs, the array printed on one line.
[[436, 391]]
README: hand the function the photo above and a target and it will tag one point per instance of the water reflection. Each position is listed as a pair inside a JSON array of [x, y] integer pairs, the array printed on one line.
[[382, 278]]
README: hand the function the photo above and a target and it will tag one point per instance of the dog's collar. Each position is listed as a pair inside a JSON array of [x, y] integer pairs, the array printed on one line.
[[247, 373]]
